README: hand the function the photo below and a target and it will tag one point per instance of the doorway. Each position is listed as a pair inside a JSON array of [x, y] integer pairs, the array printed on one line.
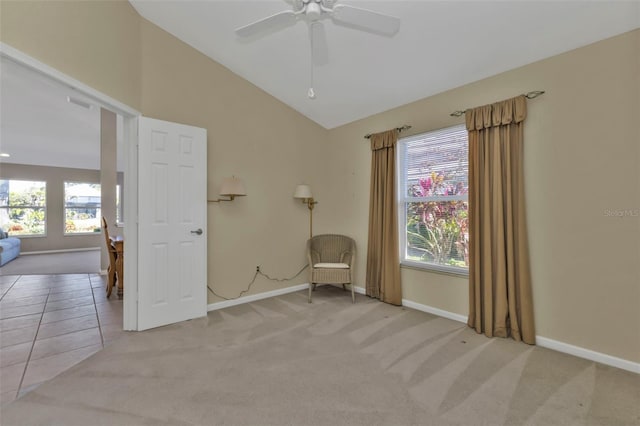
[[133, 209], [129, 156], [62, 171], [53, 307]]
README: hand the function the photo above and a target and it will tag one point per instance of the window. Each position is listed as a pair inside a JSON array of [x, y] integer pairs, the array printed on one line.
[[82, 208], [23, 207], [433, 201], [119, 207]]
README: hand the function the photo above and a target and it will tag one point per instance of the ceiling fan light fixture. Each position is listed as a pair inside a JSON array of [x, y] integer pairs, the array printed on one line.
[[313, 11]]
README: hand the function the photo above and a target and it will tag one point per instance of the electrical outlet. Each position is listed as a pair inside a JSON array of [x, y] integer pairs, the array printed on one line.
[[258, 268]]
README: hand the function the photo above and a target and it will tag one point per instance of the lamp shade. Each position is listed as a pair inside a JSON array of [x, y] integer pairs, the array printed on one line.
[[302, 191], [232, 186]]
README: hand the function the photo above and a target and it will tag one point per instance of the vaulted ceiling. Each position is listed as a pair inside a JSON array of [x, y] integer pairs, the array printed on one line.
[[440, 45]]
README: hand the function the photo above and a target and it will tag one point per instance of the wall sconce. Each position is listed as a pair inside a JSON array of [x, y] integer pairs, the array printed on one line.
[[231, 187], [303, 192]]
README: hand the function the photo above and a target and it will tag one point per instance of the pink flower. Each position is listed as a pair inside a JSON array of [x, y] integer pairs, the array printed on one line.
[[425, 185]]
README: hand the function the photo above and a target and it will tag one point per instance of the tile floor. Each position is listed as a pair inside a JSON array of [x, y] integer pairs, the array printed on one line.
[[48, 323]]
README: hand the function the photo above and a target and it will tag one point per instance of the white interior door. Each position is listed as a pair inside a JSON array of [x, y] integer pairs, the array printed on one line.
[[172, 229]]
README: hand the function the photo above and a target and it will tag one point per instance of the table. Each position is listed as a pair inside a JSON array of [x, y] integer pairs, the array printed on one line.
[[117, 243]]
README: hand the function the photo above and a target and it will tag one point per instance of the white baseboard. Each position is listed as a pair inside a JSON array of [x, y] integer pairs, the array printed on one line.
[[59, 251], [541, 341], [613, 361], [254, 297], [434, 311]]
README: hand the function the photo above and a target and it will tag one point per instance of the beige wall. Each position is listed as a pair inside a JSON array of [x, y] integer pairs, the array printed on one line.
[[250, 135], [55, 178], [581, 157]]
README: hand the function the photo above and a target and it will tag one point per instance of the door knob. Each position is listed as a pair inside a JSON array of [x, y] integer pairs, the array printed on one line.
[[197, 231]]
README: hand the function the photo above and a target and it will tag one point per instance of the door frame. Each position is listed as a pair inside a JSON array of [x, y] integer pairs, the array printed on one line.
[[130, 135]]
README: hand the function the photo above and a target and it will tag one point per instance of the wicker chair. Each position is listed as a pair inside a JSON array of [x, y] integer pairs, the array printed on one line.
[[331, 259]]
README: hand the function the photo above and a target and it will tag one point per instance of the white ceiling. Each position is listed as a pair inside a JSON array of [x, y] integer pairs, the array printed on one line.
[[38, 126], [440, 45]]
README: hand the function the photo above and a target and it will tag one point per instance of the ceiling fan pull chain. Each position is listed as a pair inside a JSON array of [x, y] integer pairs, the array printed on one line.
[[311, 93]]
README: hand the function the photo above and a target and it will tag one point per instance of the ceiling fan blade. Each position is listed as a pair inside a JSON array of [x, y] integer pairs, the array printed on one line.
[[273, 22], [297, 4], [318, 37], [367, 20]]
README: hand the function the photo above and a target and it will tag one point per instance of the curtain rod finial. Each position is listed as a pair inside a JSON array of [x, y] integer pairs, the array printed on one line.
[[534, 94]]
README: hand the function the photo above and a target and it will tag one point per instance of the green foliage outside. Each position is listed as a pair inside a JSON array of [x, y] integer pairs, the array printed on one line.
[[23, 213], [437, 231]]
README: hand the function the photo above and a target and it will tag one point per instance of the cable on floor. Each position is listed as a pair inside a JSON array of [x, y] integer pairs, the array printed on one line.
[[258, 272]]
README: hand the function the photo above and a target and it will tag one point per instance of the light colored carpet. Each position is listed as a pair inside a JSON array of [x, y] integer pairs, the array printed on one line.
[[282, 361], [77, 262]]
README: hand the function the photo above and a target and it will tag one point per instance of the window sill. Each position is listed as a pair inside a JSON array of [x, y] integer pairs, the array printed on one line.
[[28, 235], [77, 234], [444, 270]]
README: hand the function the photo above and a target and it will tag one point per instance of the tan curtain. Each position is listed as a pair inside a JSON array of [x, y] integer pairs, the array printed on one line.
[[383, 263], [500, 302]]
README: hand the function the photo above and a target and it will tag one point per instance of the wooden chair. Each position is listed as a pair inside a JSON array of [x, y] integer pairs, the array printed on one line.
[[111, 270], [331, 258]]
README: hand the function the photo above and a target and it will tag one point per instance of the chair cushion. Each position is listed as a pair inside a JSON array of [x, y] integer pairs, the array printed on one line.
[[331, 265]]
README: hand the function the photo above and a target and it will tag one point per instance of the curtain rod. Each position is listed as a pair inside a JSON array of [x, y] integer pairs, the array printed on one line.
[[399, 129], [529, 95]]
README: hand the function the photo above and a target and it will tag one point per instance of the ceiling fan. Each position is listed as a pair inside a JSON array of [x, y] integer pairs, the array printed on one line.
[[313, 12]]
